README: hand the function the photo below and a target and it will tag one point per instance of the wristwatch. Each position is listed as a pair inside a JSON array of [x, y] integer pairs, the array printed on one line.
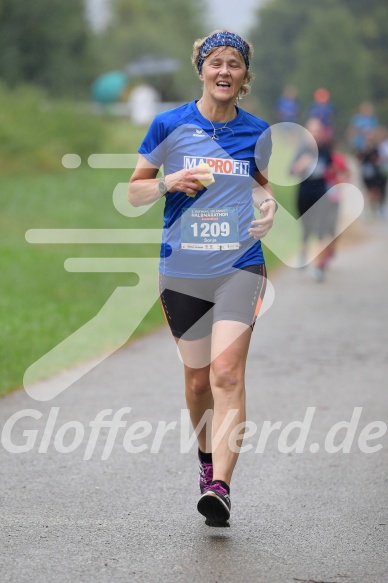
[[162, 186]]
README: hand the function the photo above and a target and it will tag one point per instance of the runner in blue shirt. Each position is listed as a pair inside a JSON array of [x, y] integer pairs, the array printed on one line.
[[212, 272], [287, 106]]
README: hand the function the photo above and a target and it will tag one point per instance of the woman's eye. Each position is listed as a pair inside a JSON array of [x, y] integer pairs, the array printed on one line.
[[232, 65]]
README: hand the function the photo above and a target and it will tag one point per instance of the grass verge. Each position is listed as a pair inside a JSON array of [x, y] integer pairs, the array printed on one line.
[[41, 303]]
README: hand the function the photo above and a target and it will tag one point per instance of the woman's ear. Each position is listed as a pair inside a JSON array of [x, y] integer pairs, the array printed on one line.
[[201, 76]]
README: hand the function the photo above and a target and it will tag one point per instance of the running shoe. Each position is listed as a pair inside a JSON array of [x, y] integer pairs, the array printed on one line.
[[205, 476], [215, 505]]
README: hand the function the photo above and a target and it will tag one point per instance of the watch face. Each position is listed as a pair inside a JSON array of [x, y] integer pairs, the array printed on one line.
[[162, 186]]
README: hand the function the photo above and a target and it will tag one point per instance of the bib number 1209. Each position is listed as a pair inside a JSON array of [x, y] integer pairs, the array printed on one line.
[[211, 229]]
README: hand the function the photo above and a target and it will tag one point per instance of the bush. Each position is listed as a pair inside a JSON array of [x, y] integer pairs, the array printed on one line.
[[36, 132]]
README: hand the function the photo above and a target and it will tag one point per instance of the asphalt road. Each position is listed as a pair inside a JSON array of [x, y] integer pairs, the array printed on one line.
[[318, 517]]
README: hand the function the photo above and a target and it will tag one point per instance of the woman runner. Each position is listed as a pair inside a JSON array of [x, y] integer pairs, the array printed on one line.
[[212, 272]]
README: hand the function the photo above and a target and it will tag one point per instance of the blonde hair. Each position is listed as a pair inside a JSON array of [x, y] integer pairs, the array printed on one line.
[[245, 88]]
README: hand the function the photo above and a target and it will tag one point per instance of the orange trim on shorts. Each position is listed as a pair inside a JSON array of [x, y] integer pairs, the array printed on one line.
[[163, 310]]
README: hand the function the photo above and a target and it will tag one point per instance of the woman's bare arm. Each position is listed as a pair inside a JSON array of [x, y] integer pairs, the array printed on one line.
[[143, 186]]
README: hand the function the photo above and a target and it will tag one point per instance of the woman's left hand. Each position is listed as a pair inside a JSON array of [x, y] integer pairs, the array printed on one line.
[[260, 227]]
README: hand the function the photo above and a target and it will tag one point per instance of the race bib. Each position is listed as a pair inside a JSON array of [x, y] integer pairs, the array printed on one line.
[[210, 229]]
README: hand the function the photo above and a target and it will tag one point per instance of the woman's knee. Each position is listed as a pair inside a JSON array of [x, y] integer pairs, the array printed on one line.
[[227, 377], [198, 384]]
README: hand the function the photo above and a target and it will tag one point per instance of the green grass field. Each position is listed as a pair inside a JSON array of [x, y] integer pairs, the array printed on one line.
[[41, 303]]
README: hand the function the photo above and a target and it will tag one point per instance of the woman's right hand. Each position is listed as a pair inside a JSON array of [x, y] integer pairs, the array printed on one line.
[[189, 180]]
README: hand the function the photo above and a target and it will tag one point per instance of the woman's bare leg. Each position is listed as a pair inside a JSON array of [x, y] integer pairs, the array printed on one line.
[[230, 343], [199, 399]]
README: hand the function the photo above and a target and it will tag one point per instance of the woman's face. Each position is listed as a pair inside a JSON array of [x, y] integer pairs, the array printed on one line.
[[223, 74]]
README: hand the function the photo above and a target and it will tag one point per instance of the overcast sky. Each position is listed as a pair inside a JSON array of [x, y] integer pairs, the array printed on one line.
[[236, 15]]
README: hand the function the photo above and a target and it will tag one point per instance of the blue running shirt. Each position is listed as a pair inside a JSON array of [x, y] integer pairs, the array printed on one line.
[[207, 235]]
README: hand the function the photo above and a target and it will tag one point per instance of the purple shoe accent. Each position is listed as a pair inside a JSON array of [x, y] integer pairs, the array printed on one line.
[[220, 490], [205, 475], [215, 505]]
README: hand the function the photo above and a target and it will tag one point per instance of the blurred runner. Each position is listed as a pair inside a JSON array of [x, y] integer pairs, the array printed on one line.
[[372, 173], [336, 173], [383, 164], [288, 107], [360, 126], [312, 167], [322, 109]]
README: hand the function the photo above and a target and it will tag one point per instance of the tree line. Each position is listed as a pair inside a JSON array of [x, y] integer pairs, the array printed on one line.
[[338, 44], [51, 44]]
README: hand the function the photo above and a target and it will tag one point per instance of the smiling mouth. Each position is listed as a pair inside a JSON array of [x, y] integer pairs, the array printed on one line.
[[223, 84]]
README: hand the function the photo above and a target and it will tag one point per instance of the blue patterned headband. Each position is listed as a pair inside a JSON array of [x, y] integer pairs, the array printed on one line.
[[223, 39]]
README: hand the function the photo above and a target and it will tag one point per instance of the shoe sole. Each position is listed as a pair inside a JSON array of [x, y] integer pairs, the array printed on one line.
[[214, 510], [217, 524]]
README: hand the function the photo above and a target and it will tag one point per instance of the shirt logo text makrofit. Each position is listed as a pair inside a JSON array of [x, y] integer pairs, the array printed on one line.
[[219, 165]]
